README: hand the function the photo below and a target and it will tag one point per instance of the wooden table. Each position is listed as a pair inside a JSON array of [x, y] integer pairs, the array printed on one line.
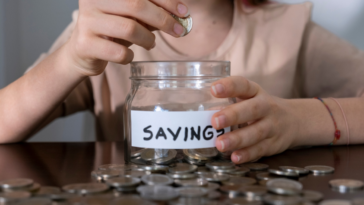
[[58, 164]]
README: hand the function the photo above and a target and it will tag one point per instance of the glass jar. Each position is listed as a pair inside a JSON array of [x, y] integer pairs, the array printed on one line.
[[168, 112]]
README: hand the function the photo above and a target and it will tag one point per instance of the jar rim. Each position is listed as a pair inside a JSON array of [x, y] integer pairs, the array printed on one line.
[[179, 69]]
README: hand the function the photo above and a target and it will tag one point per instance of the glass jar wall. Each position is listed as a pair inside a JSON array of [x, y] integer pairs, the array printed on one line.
[[168, 112]]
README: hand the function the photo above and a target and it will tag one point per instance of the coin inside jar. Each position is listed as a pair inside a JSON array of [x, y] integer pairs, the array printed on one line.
[[187, 23]]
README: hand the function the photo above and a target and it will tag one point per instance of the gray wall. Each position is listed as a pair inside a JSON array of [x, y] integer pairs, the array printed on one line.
[[28, 28]]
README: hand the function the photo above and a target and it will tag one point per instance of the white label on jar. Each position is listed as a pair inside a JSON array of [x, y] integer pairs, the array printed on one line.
[[174, 130]]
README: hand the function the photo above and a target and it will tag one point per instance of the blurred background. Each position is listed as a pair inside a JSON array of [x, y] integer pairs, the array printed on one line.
[[29, 27]]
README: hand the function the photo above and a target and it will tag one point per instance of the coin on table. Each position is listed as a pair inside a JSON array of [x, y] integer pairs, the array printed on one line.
[[241, 201], [132, 199], [265, 176], [14, 195], [16, 183], [220, 165], [85, 188], [191, 191], [182, 168], [202, 170], [34, 188], [299, 170], [212, 195], [283, 173], [320, 169], [253, 192], [158, 193], [358, 201], [122, 182], [272, 199], [154, 168], [204, 154], [256, 166], [231, 190], [239, 171], [157, 179], [48, 190], [239, 181], [107, 174], [183, 176], [134, 173], [187, 23], [198, 182], [313, 196], [213, 177], [335, 202], [346, 184], [284, 186]]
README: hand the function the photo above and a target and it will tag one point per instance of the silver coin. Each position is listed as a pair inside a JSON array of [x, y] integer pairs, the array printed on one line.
[[167, 159], [35, 201], [96, 177], [198, 182], [335, 202], [202, 170], [107, 174], [299, 170], [213, 177], [213, 195], [211, 186], [312, 196], [320, 169], [182, 168], [284, 186], [239, 181], [231, 190], [98, 199], [34, 188], [61, 196], [134, 173], [358, 201], [183, 176], [123, 182], [256, 166], [153, 168], [253, 192], [265, 176], [137, 153], [220, 165], [132, 199], [14, 195], [346, 184], [191, 191], [48, 190], [148, 154], [239, 171], [187, 23], [158, 193], [85, 188], [157, 179], [206, 153], [241, 201], [120, 167], [16, 183], [283, 173], [281, 200]]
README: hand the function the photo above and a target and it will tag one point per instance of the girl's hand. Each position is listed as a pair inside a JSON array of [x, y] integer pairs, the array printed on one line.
[[106, 28], [271, 126]]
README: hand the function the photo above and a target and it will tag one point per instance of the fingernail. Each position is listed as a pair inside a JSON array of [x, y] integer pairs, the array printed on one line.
[[223, 144], [220, 121], [183, 10], [218, 89], [179, 30], [236, 158]]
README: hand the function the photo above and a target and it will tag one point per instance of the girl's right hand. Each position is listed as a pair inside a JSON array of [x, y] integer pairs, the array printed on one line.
[[106, 28]]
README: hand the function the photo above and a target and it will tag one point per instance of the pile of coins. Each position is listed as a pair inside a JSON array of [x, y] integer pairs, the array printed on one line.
[[218, 182]]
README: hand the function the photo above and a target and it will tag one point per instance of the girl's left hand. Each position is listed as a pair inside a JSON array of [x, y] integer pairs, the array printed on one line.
[[271, 125]]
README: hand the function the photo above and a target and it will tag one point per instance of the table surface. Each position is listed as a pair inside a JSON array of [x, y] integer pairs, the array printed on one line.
[[58, 164]]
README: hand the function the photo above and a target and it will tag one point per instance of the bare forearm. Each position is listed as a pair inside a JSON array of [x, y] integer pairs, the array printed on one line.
[[26, 103], [317, 127]]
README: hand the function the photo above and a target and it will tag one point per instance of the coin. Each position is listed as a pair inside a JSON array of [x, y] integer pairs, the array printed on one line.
[[241, 201], [283, 173], [207, 153], [183, 176], [157, 179], [284, 186], [320, 169], [299, 170], [16, 183], [253, 192], [187, 23], [266, 176], [132, 199], [182, 168], [123, 182], [48, 190], [137, 153], [5, 196], [231, 190], [166, 159], [335, 202], [148, 154], [312, 196], [134, 173], [281, 200], [256, 166], [220, 165], [213, 195], [35, 201], [239, 181], [154, 168], [85, 188], [34, 188], [198, 182], [346, 184], [107, 173], [191, 191], [158, 193], [213, 177], [240, 171], [212, 186], [202, 170]]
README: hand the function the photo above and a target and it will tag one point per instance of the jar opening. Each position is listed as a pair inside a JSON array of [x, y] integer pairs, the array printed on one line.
[[179, 69]]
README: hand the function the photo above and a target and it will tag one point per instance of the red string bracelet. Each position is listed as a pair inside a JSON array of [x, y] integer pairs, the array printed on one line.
[[337, 133]]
